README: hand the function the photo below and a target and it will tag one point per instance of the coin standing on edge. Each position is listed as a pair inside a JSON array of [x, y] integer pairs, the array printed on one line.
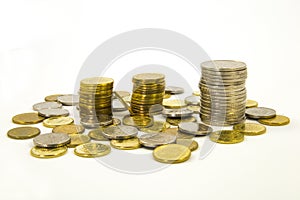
[[171, 153], [21, 133]]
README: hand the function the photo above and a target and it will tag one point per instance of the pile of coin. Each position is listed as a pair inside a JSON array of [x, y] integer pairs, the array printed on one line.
[[223, 92], [148, 90], [95, 101]]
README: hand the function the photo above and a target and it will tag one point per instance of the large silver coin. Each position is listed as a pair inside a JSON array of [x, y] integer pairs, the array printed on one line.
[[120, 132], [194, 128], [174, 90], [55, 112], [192, 100], [177, 112], [260, 113], [69, 99], [46, 105], [51, 140], [153, 140]]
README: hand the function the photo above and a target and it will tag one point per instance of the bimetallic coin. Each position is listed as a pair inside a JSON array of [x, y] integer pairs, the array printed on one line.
[[51, 140], [278, 120], [227, 137], [250, 129], [69, 129], [68, 99], [78, 139], [194, 128], [92, 150], [171, 153], [46, 105], [23, 132], [177, 112], [260, 113], [191, 144], [27, 118], [97, 134], [251, 103], [153, 140], [158, 126], [120, 132], [128, 144], [55, 112], [175, 121], [174, 90], [192, 100], [40, 152], [174, 103], [57, 121], [52, 98]]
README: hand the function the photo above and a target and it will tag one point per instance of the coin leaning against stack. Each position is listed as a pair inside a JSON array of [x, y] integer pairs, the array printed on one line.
[[223, 92], [95, 99]]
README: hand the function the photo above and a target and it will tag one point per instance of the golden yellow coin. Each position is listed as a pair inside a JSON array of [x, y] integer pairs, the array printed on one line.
[[167, 95], [227, 136], [40, 152], [138, 121], [177, 120], [128, 144], [178, 134], [21, 133], [171, 153], [98, 81], [97, 134], [92, 150], [69, 129], [174, 103], [278, 120], [27, 118], [158, 126], [52, 98], [57, 121], [251, 103], [250, 129], [78, 139], [191, 144], [196, 93]]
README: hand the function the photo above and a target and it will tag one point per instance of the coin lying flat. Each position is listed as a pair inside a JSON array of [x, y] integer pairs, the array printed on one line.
[[57, 121], [177, 112], [51, 140], [97, 134], [27, 118], [260, 113], [138, 121], [69, 129], [250, 129], [196, 93], [192, 100], [152, 140], [23, 132], [227, 136], [46, 105], [177, 120], [40, 152], [171, 153], [92, 150], [278, 120], [191, 144], [120, 132], [195, 109], [174, 90], [174, 103], [166, 96], [68, 99], [78, 139], [195, 128], [128, 144], [251, 103], [55, 112], [158, 126], [52, 98]]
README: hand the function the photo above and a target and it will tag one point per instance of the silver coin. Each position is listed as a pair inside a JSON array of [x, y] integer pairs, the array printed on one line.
[[46, 105], [194, 128], [177, 112], [260, 113], [192, 100], [120, 132], [69, 99], [174, 90], [223, 65], [152, 140], [51, 140], [55, 112], [117, 106]]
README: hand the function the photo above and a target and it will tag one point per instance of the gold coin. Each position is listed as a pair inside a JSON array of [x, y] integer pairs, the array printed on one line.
[[92, 150], [57, 121], [167, 95], [177, 120], [27, 118], [98, 81], [138, 121], [191, 144], [251, 103], [174, 103], [69, 129], [195, 109], [23, 132], [197, 93], [158, 126], [52, 98], [178, 134], [278, 120], [250, 129], [171, 153], [96, 134], [41, 152], [128, 144], [227, 137], [78, 139]]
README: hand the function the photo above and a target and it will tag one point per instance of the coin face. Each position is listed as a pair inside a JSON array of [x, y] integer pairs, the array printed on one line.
[[123, 94], [55, 112], [171, 153], [92, 150], [278, 120], [23, 132], [97, 134], [192, 100], [251, 103], [68, 99], [194, 128], [191, 144], [52, 98], [97, 81], [250, 129], [51, 140], [138, 121], [69, 129], [174, 103], [57, 121], [78, 139], [40, 152], [128, 144], [227, 137], [174, 90], [152, 140], [120, 132], [177, 112], [158, 126], [260, 113], [27, 118], [46, 105]]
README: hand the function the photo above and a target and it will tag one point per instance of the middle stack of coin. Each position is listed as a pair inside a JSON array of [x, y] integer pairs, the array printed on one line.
[[95, 99], [223, 92]]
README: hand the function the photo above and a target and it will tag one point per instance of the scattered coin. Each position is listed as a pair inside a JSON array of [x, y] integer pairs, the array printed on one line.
[[46, 105], [27, 118], [97, 134], [195, 109], [192, 100], [195, 128], [26, 132], [158, 126], [177, 112], [171, 153], [69, 129], [78, 139], [175, 121], [57, 121], [128, 144], [52, 98], [152, 140], [138, 121], [51, 140], [68, 99], [178, 134], [167, 96], [227, 137], [191, 144], [174, 90], [278, 120], [120, 132], [92, 150], [250, 129], [55, 112], [260, 113], [40, 152], [174, 103], [251, 103]]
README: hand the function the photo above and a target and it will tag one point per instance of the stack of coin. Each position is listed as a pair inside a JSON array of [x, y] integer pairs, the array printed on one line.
[[95, 99], [148, 90], [223, 92]]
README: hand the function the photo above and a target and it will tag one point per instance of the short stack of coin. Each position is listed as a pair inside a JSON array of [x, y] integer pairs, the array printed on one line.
[[148, 90], [223, 92], [95, 99]]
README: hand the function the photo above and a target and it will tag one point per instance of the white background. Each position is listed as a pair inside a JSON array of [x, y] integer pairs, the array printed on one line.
[[44, 43]]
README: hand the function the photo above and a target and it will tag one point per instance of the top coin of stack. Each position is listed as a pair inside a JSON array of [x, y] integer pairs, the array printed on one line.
[[223, 92], [148, 90], [95, 101]]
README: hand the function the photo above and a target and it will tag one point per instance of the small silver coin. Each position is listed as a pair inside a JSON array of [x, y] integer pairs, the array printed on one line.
[[194, 128], [192, 100], [51, 140], [177, 112], [260, 113], [46, 105], [152, 140], [54, 112], [174, 90], [120, 132], [68, 99]]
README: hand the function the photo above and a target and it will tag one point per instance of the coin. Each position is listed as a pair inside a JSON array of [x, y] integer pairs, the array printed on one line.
[[26, 132], [27, 118], [51, 140], [92, 150], [278, 120], [251, 103], [191, 144], [40, 152], [97, 134], [118, 106], [174, 103], [192, 100], [69, 129], [120, 132], [128, 144], [260, 113], [177, 112], [138, 121], [194, 128], [195, 109], [57, 121], [178, 134], [52, 98], [55, 112], [152, 140], [46, 105], [123, 94], [196, 93], [158, 126], [174, 90], [171, 153], [175, 121], [99, 81], [250, 129], [78, 139], [167, 96], [68, 99], [227, 137], [148, 78], [223, 65]]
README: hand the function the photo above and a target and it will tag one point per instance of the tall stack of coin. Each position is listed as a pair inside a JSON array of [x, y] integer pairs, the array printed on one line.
[[223, 92], [95, 101], [148, 90]]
